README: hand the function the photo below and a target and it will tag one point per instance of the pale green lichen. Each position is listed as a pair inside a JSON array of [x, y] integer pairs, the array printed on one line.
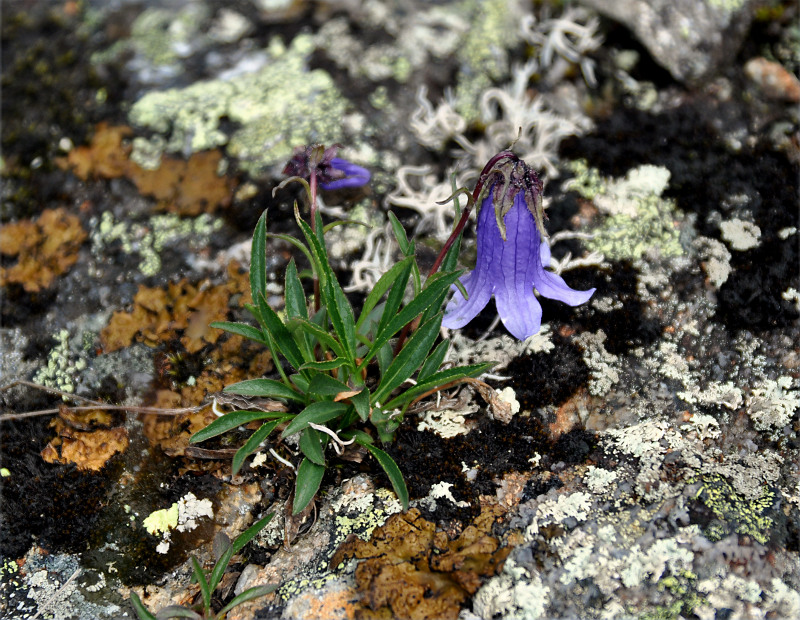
[[161, 521], [483, 55], [602, 364], [749, 517], [278, 106], [63, 365], [149, 239], [638, 220]]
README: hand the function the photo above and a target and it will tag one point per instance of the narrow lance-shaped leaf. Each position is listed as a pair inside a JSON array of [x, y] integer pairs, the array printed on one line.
[[232, 420], [240, 329], [409, 359], [318, 413], [253, 442], [258, 259], [415, 307], [434, 361], [309, 477], [238, 544], [281, 336], [383, 284], [437, 379], [264, 388], [311, 446], [140, 609], [247, 595], [391, 469]]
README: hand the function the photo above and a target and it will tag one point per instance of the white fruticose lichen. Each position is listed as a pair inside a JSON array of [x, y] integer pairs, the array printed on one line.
[[598, 479], [714, 393], [601, 363], [181, 516], [447, 423], [507, 395], [740, 234], [575, 505], [515, 594], [565, 40], [440, 491], [715, 259], [772, 405]]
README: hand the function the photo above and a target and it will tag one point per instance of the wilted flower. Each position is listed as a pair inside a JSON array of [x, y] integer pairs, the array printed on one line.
[[321, 164], [513, 252]]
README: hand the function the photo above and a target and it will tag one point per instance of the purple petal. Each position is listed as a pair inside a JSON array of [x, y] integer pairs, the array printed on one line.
[[517, 305], [552, 286], [479, 282], [355, 176]]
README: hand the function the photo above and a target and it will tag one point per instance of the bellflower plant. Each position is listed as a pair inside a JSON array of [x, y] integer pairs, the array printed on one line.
[[343, 378], [513, 252]]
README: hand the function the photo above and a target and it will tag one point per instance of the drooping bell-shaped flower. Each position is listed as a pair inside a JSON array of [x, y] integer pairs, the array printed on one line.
[[329, 171], [513, 253]]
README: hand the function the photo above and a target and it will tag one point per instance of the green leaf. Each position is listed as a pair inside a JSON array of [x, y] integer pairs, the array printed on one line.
[[309, 477], [324, 366], [361, 403], [296, 304], [434, 361], [339, 309], [324, 385], [253, 442], [391, 469], [200, 577], [176, 611], [294, 241], [318, 413], [247, 595], [409, 359], [235, 547], [280, 335], [383, 284], [249, 534], [258, 259], [311, 446], [232, 420], [360, 436], [406, 247], [301, 382], [266, 388], [433, 289], [395, 297], [437, 379], [140, 609], [241, 329], [320, 334]]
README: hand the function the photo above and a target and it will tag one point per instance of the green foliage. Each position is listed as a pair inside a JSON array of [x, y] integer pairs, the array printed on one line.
[[209, 582], [338, 371]]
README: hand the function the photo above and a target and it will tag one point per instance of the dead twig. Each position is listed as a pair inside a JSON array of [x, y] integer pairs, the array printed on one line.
[[93, 406]]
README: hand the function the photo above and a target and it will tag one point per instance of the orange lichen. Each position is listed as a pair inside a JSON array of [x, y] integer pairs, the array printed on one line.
[[412, 570], [185, 187], [89, 450], [45, 248], [180, 311]]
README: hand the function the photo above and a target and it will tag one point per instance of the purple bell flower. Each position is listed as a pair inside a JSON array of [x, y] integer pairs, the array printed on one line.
[[331, 172], [512, 254]]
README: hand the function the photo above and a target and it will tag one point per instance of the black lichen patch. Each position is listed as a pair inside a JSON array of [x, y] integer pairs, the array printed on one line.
[[57, 506], [493, 448], [627, 325], [49, 92], [707, 177], [540, 379]]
